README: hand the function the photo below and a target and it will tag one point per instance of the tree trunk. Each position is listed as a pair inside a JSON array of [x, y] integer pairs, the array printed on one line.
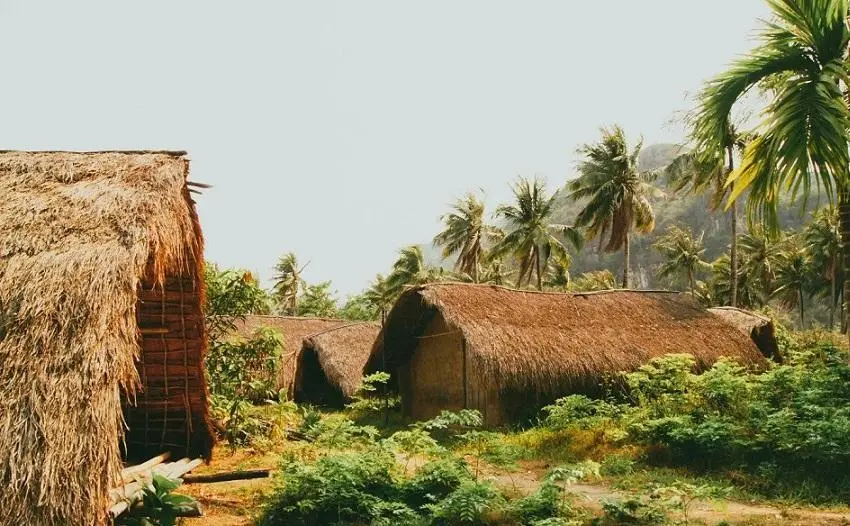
[[537, 266], [832, 286], [733, 246], [844, 214], [802, 310], [626, 250]]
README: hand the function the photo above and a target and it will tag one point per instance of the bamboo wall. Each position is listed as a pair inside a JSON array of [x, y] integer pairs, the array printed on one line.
[[171, 409]]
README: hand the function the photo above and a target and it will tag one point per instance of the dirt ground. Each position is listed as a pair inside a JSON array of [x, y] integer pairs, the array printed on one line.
[[236, 503]]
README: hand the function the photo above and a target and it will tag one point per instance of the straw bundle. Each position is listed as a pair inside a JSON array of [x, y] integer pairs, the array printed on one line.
[[81, 233]]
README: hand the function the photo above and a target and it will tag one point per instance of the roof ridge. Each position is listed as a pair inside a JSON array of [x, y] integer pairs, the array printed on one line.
[[544, 292], [174, 153], [332, 329]]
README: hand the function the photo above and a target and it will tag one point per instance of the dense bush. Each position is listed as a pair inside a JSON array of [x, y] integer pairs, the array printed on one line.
[[792, 419]]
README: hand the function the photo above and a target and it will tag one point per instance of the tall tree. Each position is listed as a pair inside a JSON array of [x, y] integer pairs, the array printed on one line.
[[823, 241], [410, 270], [707, 172], [684, 253], [529, 236], [288, 283], [464, 234], [793, 277], [761, 253], [720, 285], [618, 193], [558, 275], [381, 295], [802, 140], [317, 301]]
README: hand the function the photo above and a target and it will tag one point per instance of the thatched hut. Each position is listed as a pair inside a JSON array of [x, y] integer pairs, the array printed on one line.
[[293, 330], [100, 324], [329, 369], [507, 352], [759, 328]]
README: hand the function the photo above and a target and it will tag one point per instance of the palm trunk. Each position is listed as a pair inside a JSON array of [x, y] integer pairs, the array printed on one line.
[[733, 246], [733, 255], [537, 266], [802, 310], [692, 284], [844, 214], [832, 286], [626, 251]]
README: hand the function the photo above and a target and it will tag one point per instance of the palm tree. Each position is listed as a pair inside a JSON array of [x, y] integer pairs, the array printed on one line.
[[495, 273], [618, 193], [410, 270], [684, 253], [702, 172], [530, 238], [803, 138], [558, 275], [823, 241], [720, 285], [761, 254], [464, 234], [288, 282], [380, 295], [793, 278]]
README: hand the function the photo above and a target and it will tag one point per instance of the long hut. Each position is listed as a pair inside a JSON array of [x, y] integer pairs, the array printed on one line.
[[101, 290], [330, 367], [293, 330], [507, 352], [759, 328]]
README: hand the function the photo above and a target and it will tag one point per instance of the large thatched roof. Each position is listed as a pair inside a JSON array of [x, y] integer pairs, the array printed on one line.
[[759, 328], [81, 233], [555, 342], [293, 330], [342, 353]]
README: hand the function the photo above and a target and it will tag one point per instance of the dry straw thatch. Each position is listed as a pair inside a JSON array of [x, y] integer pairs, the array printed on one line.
[[293, 330], [556, 343], [82, 234], [759, 328], [342, 353]]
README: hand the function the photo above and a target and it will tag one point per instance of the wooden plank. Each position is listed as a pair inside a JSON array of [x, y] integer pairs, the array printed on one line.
[[225, 476]]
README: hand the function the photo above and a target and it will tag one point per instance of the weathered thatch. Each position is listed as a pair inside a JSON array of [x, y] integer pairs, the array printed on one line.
[[330, 366], [293, 330], [539, 345], [93, 248], [759, 328]]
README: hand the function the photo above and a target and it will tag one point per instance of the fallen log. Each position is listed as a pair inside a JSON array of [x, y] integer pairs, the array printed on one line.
[[225, 476]]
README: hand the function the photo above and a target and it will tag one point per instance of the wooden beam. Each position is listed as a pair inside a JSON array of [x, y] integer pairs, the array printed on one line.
[[225, 476]]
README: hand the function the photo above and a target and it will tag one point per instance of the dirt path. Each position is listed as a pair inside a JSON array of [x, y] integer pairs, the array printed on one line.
[[527, 479]]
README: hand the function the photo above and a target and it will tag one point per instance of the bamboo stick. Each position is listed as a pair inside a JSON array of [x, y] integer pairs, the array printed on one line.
[[128, 473]]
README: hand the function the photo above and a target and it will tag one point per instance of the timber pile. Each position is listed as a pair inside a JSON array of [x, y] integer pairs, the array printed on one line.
[[136, 478]]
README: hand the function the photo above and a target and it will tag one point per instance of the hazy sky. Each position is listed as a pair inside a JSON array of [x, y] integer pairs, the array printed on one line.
[[342, 129]]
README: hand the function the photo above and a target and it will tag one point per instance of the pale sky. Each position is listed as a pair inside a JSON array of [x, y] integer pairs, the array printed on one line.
[[342, 129]]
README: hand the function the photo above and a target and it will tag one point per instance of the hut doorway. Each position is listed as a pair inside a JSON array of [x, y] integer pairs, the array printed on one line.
[[313, 385]]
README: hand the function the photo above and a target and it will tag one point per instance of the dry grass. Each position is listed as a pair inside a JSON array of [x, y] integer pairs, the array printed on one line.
[[80, 232]]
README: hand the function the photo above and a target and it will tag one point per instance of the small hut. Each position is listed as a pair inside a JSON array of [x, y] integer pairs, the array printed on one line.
[[100, 326], [293, 330], [330, 366], [507, 352], [759, 328]]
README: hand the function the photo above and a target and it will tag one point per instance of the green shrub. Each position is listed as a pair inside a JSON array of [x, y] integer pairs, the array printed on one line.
[[435, 481], [472, 503], [345, 488], [545, 503], [617, 466]]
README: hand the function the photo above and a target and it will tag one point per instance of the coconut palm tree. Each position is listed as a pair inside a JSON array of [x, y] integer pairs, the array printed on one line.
[[618, 193], [823, 241], [410, 270], [793, 277], [720, 285], [465, 233], [558, 275], [684, 253], [802, 140], [706, 172], [761, 254], [288, 283], [530, 237]]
